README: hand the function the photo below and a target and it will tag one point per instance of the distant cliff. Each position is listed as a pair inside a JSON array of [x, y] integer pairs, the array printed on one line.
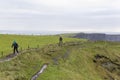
[[98, 36]]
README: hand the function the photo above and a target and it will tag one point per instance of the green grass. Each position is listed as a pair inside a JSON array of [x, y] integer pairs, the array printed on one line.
[[77, 65], [24, 41]]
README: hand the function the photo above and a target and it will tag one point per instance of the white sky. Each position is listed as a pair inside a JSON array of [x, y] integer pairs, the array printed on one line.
[[60, 15]]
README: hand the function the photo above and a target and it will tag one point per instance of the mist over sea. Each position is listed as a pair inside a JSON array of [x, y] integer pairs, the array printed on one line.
[[48, 32], [32, 32]]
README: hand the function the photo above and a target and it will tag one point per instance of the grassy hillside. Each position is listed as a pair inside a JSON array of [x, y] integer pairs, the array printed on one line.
[[79, 65], [24, 41], [76, 60]]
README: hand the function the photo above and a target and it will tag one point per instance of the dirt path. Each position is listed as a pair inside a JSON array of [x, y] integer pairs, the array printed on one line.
[[35, 76], [12, 56]]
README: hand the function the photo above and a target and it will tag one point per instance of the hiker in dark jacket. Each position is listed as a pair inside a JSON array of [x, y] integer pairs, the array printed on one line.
[[60, 41], [15, 47]]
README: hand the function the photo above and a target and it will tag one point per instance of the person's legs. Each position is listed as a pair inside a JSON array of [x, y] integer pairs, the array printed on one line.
[[60, 43], [14, 50]]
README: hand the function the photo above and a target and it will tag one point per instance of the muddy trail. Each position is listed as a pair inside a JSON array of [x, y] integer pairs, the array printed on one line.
[[63, 57], [55, 60], [36, 75], [112, 67], [12, 55]]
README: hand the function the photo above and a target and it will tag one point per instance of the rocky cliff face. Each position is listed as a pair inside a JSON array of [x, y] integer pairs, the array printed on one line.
[[113, 37], [98, 36]]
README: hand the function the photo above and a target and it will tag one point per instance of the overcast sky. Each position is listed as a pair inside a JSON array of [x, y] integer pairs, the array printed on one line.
[[60, 15]]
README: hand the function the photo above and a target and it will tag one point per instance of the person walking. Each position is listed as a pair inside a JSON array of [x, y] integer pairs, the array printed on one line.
[[15, 47], [60, 41]]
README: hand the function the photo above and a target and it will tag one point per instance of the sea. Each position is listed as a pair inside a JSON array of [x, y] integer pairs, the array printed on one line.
[[32, 32], [23, 32]]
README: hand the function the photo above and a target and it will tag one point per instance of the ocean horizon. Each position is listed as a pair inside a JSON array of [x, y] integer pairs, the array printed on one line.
[[22, 32], [32, 32]]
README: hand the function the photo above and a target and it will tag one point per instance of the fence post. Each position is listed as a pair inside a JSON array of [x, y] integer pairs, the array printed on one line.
[[2, 53], [28, 46], [37, 46]]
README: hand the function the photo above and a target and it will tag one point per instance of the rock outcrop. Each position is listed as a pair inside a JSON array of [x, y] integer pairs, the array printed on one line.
[[98, 36]]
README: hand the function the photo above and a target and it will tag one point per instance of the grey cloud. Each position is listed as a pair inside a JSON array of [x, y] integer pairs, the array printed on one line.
[[26, 15]]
